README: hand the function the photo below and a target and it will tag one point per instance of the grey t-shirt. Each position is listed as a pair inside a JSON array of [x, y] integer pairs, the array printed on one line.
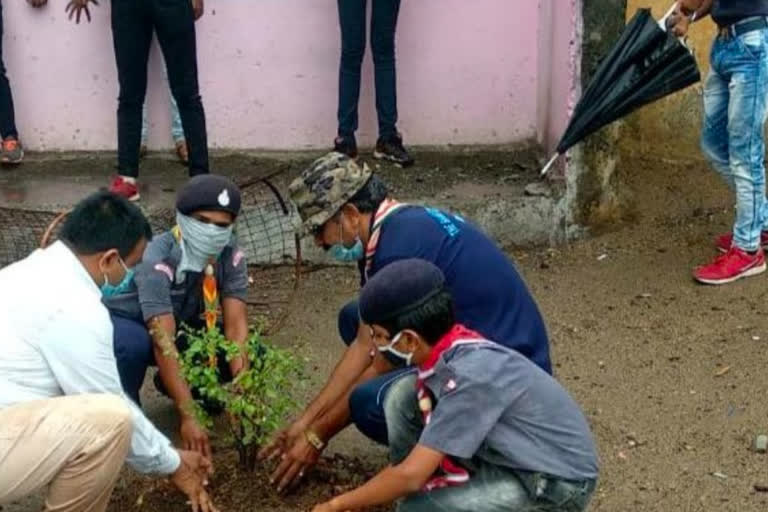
[[157, 291], [494, 404]]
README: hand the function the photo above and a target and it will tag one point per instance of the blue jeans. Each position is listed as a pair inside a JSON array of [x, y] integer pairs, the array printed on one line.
[[134, 354], [352, 18], [366, 403], [490, 488], [7, 120], [177, 131], [735, 97]]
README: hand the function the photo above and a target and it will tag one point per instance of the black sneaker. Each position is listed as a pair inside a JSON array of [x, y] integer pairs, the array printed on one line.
[[346, 145], [392, 150]]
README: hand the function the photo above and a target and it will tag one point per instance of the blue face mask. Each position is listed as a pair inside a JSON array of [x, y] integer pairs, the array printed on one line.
[[344, 254], [402, 357], [110, 290]]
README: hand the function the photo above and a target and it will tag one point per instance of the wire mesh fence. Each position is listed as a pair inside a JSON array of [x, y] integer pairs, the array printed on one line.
[[265, 231]]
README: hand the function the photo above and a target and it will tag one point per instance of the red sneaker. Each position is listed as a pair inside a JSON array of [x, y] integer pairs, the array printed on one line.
[[724, 242], [731, 266], [122, 188]]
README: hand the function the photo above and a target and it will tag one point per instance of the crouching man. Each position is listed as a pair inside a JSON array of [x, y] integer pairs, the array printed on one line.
[[479, 428], [193, 275], [65, 423]]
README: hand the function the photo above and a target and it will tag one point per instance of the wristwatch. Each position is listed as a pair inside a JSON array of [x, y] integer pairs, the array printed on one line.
[[314, 440]]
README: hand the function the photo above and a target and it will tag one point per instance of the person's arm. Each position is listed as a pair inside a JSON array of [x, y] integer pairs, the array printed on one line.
[[688, 11], [193, 435], [701, 8], [81, 357], [234, 294], [392, 483], [337, 417], [235, 315], [198, 8], [357, 358], [300, 454]]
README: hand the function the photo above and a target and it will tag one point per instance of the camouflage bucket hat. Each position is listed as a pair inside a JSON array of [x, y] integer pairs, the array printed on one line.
[[327, 185]]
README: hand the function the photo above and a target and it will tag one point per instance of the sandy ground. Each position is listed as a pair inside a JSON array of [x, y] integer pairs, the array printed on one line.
[[668, 372]]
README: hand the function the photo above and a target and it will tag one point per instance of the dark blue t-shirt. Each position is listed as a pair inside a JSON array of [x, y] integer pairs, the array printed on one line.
[[725, 12], [489, 295]]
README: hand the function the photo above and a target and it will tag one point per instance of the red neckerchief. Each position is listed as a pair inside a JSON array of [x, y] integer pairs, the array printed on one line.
[[451, 474], [386, 208]]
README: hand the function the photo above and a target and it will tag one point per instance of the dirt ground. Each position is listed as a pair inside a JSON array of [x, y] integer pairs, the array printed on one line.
[[668, 372]]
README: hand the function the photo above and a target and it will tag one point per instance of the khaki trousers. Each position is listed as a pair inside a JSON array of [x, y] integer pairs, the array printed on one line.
[[75, 445]]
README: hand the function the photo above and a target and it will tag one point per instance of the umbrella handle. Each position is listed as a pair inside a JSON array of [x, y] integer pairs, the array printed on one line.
[[549, 165], [663, 21]]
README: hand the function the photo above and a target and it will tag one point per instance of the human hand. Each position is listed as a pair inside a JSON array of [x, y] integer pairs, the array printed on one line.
[[294, 463], [191, 477], [688, 7], [37, 3], [283, 440], [198, 8], [194, 437], [75, 9]]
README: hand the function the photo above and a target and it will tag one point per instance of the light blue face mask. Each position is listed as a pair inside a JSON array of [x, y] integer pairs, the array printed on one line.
[[344, 254], [110, 290], [200, 243]]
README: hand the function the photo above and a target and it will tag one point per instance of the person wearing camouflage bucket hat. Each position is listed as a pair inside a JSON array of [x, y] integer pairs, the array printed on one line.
[[322, 189], [348, 211]]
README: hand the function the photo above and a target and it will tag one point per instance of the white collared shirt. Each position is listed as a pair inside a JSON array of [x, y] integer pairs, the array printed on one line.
[[56, 339]]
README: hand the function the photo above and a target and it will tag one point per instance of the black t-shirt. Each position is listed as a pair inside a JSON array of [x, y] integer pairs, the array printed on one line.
[[726, 12]]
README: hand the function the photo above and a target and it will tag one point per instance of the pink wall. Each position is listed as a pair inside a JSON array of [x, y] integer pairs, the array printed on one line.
[[468, 72], [559, 67]]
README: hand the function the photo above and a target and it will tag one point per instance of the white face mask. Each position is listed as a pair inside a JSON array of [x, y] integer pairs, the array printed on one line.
[[200, 243], [406, 358]]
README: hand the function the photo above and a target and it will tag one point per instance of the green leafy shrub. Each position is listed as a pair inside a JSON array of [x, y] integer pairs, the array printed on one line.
[[256, 401]]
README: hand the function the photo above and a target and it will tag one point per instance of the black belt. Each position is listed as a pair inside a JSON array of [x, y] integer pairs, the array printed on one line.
[[742, 27]]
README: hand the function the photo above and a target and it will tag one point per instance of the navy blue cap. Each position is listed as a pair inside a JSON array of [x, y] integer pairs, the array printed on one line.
[[398, 288], [209, 192]]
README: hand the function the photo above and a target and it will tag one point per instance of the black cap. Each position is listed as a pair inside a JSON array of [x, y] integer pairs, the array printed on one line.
[[209, 192], [399, 288]]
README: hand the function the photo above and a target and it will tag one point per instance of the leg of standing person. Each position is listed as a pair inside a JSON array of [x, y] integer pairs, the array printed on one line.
[[738, 115], [12, 152], [383, 27], [352, 23], [144, 130], [74, 445], [132, 36], [177, 131], [175, 27]]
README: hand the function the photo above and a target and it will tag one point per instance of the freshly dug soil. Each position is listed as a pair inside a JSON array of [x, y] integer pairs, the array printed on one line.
[[235, 489]]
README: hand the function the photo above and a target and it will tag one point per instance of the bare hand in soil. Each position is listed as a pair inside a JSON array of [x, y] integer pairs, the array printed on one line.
[[194, 437], [75, 9], [191, 478], [293, 464], [283, 440]]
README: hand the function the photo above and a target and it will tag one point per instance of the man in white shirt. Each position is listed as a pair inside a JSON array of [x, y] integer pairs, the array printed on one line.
[[55, 340]]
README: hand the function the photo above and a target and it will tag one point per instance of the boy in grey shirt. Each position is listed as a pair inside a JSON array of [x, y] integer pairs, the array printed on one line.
[[478, 427]]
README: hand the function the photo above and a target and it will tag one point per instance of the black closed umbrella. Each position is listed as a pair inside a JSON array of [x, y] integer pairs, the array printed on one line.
[[646, 64]]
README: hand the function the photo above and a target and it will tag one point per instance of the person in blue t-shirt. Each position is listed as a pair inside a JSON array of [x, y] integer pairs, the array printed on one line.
[[349, 212]]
